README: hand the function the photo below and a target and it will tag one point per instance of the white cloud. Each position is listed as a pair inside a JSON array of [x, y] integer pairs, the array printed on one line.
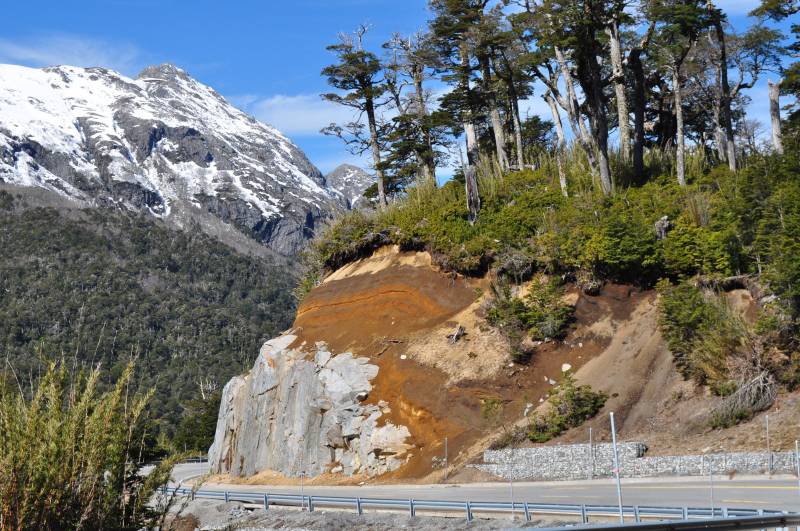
[[298, 115], [74, 50]]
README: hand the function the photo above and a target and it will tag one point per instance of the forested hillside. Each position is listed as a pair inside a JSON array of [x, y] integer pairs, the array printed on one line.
[[98, 286], [650, 171]]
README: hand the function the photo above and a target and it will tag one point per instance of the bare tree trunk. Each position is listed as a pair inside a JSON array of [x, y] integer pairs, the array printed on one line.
[[470, 172], [775, 114], [589, 73], [574, 115], [680, 145], [562, 141], [639, 103], [634, 60], [513, 98], [517, 133], [551, 102], [618, 78], [376, 153], [429, 164], [725, 89], [720, 138], [494, 113]]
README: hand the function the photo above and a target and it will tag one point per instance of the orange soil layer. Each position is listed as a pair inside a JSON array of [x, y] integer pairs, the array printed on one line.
[[377, 313]]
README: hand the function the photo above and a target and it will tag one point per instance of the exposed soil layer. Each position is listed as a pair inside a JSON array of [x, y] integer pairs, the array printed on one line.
[[655, 405], [389, 306]]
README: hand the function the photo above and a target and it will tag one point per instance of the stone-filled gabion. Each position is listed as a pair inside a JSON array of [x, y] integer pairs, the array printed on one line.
[[579, 461]]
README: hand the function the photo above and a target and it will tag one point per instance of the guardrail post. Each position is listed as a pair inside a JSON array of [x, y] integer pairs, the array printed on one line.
[[227, 496], [469, 512], [311, 504], [725, 512], [411, 508], [584, 519], [636, 517], [266, 502], [527, 513], [359, 510], [685, 513]]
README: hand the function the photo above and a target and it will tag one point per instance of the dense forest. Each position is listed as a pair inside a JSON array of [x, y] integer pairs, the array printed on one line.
[[648, 171], [623, 81], [103, 287]]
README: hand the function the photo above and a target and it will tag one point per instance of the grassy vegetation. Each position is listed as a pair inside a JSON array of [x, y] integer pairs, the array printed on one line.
[[714, 345], [570, 406], [98, 286], [71, 454], [539, 315], [722, 224]]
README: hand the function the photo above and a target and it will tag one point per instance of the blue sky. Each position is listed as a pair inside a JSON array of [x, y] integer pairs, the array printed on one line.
[[264, 56]]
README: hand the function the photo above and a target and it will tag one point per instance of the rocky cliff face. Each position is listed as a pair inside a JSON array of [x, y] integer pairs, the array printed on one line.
[[299, 413], [155, 143], [350, 182]]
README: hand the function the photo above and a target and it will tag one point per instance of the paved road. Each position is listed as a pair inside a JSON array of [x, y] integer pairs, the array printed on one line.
[[758, 492]]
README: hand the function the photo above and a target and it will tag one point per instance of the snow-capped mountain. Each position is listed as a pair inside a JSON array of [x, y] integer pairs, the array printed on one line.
[[350, 182], [157, 142]]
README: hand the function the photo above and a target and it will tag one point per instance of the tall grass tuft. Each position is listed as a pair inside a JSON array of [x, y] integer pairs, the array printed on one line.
[[69, 454]]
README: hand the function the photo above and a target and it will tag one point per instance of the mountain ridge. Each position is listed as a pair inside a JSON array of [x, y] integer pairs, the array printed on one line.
[[156, 143]]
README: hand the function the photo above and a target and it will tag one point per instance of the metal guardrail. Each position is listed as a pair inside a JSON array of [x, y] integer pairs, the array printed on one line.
[[687, 517]]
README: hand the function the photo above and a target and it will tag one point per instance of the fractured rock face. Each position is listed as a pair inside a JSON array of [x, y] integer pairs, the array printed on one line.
[[295, 413]]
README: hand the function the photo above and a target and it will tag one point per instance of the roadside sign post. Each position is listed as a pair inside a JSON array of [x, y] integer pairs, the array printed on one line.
[[302, 472], [797, 462], [513, 512], [711, 483], [769, 449], [591, 455], [616, 467], [446, 464]]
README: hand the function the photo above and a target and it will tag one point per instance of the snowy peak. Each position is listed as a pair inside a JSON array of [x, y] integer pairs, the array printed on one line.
[[351, 182], [154, 142]]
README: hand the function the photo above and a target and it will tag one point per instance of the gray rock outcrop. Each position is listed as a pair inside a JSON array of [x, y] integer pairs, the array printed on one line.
[[351, 182], [295, 413]]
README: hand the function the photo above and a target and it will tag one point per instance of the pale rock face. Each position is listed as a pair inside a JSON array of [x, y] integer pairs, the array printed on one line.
[[350, 182], [295, 413], [156, 142]]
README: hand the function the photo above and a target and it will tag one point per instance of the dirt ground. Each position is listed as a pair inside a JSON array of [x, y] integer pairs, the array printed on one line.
[[396, 309]]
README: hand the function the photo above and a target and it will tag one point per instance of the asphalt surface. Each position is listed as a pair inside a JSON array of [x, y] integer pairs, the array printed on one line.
[[753, 492]]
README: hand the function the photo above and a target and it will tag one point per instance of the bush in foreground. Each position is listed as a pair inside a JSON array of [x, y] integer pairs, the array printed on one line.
[[69, 454]]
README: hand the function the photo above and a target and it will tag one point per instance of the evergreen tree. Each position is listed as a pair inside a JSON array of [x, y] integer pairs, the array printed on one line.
[[357, 74]]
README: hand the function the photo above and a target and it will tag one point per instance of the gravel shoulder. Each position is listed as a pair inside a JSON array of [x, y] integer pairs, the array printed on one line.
[[213, 515]]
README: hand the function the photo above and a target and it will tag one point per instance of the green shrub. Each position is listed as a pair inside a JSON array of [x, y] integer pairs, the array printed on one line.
[[570, 406], [6, 200], [684, 317], [727, 420], [541, 314], [69, 455]]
